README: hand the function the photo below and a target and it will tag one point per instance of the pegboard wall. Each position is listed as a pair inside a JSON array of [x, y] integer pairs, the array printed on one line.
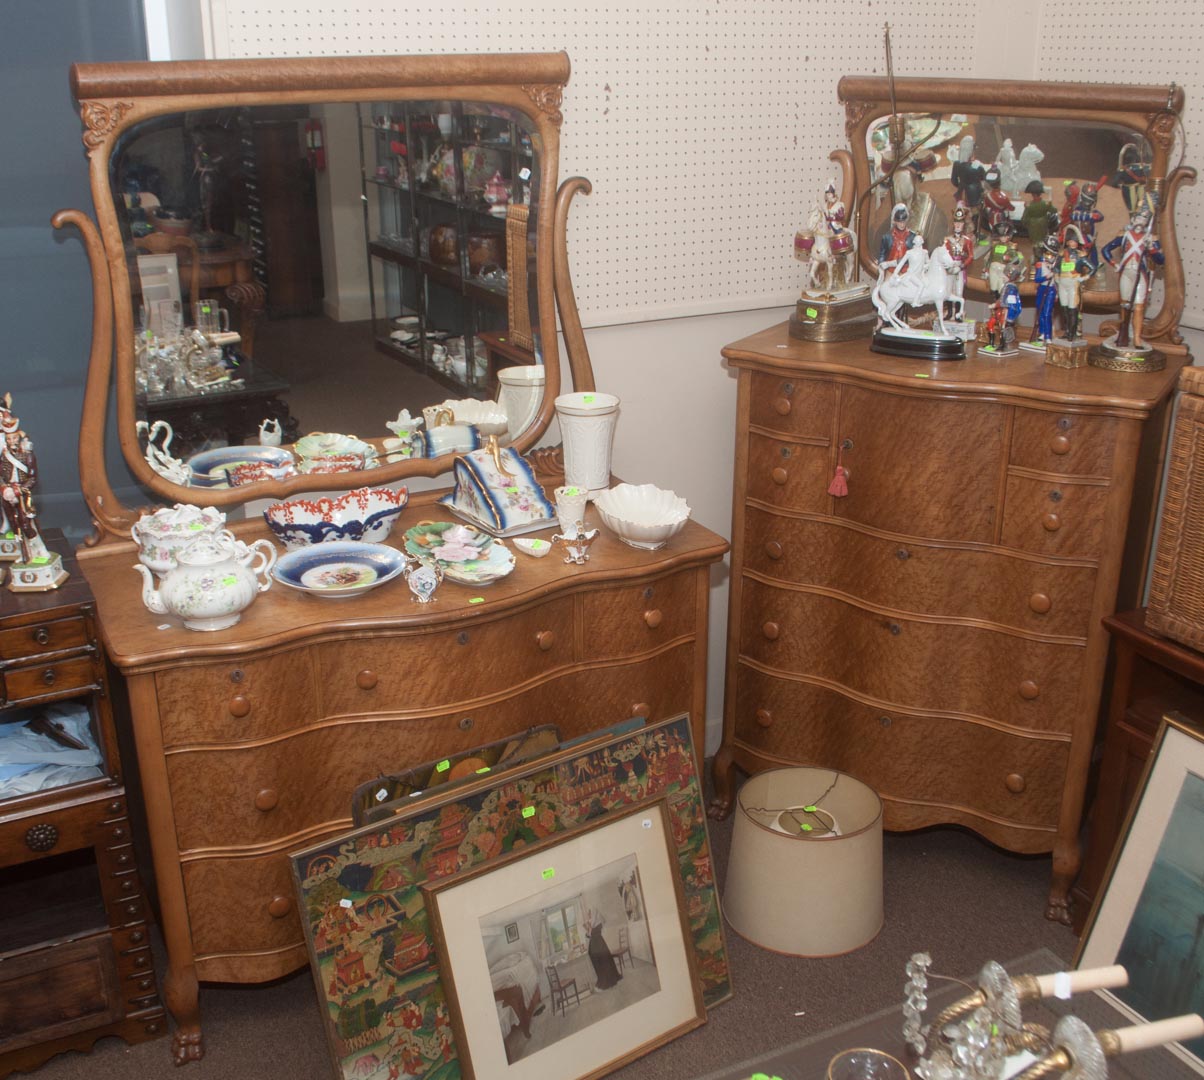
[[705, 125]]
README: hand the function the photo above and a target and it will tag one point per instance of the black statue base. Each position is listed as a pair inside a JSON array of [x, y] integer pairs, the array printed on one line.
[[918, 346]]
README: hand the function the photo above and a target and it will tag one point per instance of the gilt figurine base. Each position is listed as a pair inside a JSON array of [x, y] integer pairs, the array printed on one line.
[[1066, 354], [842, 316], [1113, 357], [41, 576]]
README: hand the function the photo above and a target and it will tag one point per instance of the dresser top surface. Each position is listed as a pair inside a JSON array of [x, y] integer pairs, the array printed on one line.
[[137, 639], [1025, 377]]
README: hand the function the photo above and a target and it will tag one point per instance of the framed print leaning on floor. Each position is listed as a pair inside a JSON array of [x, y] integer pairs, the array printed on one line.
[[1150, 913], [603, 1007]]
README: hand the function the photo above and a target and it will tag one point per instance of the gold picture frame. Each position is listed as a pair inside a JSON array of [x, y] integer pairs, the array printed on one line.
[[612, 987]]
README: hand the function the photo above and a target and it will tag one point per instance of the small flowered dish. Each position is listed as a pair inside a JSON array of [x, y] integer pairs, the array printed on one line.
[[339, 569], [463, 553]]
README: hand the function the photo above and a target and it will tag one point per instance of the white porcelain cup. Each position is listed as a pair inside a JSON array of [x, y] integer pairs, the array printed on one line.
[[570, 508], [587, 430]]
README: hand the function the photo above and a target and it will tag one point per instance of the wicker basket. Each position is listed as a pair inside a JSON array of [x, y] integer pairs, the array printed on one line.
[[1176, 603]]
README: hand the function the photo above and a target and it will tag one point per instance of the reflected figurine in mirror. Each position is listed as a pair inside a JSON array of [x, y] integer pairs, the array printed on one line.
[[1086, 215], [967, 174], [1004, 254], [1039, 216], [1073, 270], [1134, 254]]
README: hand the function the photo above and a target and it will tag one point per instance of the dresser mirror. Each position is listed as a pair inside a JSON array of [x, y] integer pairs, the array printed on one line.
[[931, 144], [436, 184]]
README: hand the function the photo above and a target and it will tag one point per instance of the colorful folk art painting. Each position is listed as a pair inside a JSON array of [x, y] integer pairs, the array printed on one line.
[[360, 896]]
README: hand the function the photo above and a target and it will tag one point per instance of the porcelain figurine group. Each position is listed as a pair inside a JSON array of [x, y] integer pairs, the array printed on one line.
[[996, 206]]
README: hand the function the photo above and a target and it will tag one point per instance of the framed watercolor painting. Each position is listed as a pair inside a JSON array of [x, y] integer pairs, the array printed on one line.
[[612, 987], [365, 919], [1150, 913]]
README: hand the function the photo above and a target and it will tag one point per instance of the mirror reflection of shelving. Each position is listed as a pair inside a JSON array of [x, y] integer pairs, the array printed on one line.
[[439, 181]]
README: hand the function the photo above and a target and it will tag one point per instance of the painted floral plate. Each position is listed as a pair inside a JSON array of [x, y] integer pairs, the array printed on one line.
[[463, 553], [339, 569]]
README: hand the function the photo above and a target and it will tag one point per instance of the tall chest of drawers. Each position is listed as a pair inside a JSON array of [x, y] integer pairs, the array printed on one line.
[[251, 740], [935, 631]]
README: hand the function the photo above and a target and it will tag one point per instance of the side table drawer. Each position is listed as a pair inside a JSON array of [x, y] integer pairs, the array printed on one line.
[[633, 620], [1053, 517], [53, 635], [1064, 442], [48, 680], [793, 406]]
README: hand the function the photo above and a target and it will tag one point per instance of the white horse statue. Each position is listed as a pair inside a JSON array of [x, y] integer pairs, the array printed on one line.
[[822, 249], [929, 285]]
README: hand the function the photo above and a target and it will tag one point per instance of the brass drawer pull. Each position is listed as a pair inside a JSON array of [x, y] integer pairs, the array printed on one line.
[[773, 549], [653, 618], [771, 630], [41, 636], [279, 907], [1051, 523], [465, 723], [545, 639], [1029, 690], [779, 476], [764, 717], [366, 680], [267, 800], [50, 676], [1015, 783], [240, 706], [41, 837], [1040, 603]]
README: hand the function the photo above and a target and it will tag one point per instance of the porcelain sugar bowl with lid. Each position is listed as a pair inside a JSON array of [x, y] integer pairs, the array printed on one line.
[[161, 535], [213, 582]]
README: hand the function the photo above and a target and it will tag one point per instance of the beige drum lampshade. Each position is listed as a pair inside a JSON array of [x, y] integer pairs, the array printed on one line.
[[804, 876]]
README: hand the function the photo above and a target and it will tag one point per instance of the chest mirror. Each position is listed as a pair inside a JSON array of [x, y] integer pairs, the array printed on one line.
[[1023, 162], [323, 243]]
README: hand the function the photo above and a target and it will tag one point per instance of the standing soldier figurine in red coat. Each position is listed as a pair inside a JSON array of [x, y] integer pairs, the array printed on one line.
[[1134, 254], [35, 568]]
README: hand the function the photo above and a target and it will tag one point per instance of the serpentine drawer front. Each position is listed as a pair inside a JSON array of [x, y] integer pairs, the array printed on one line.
[[935, 630]]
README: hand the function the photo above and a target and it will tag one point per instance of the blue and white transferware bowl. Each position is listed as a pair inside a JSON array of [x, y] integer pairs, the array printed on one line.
[[339, 569], [366, 514], [209, 467]]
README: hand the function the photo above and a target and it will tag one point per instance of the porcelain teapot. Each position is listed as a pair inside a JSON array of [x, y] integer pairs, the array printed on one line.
[[212, 583]]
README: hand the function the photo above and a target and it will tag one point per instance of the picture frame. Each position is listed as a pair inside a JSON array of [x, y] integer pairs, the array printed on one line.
[[364, 917], [512, 933], [1148, 914], [601, 1009]]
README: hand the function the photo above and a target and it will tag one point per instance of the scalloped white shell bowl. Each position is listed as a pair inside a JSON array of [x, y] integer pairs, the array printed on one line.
[[486, 416], [643, 515]]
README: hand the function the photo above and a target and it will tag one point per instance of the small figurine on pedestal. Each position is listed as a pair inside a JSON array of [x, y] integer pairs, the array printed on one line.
[[961, 250], [1044, 274], [1086, 217], [1003, 254], [1133, 254], [1036, 218], [1001, 327], [913, 279], [35, 568], [1073, 270], [996, 205]]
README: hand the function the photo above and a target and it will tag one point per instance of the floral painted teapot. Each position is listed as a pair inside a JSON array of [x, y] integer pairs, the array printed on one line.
[[161, 535], [212, 583]]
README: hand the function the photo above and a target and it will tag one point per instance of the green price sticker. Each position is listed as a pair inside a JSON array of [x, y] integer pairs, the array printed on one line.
[[229, 579], [528, 811], [41, 560], [477, 600], [196, 525], [548, 874], [206, 309], [588, 399], [1067, 266], [443, 766], [484, 769], [923, 375], [810, 809], [1001, 249], [812, 313], [805, 828], [537, 544], [10, 535], [567, 491], [511, 491]]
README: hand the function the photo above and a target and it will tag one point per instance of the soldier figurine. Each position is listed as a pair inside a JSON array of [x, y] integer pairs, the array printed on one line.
[[1134, 254], [961, 250], [1086, 217], [896, 241], [1045, 271], [35, 568], [1073, 270], [1003, 254]]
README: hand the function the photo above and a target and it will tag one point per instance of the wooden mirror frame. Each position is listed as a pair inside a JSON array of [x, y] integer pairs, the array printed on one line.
[[113, 97], [1153, 110]]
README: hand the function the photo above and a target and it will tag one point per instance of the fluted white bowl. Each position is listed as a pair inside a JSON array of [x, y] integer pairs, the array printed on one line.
[[643, 515], [486, 416]]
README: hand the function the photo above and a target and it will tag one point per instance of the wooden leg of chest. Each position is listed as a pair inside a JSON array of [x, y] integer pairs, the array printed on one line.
[[722, 770], [180, 989]]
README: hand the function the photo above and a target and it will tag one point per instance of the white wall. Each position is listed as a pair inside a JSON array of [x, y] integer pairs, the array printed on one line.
[[705, 126]]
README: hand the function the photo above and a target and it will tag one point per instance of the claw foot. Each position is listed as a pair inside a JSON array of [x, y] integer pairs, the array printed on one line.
[[1058, 910], [186, 1045]]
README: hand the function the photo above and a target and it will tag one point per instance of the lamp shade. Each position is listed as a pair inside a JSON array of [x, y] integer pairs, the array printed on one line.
[[804, 875]]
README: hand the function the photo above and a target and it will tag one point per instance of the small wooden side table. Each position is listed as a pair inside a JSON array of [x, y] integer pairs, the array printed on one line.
[[1153, 675]]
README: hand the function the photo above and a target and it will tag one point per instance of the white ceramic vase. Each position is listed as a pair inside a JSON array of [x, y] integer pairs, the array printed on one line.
[[520, 394], [587, 430]]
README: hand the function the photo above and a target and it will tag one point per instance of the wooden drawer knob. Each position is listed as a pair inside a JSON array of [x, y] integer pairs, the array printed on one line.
[[1060, 444], [771, 630], [1014, 782], [240, 706], [1051, 523], [641, 708], [1029, 690], [764, 717], [653, 618], [366, 680], [1040, 603], [267, 799], [782, 406], [545, 639], [773, 549], [279, 907], [779, 476]]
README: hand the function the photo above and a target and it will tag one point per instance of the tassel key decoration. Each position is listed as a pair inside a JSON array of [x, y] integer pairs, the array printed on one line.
[[839, 487]]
